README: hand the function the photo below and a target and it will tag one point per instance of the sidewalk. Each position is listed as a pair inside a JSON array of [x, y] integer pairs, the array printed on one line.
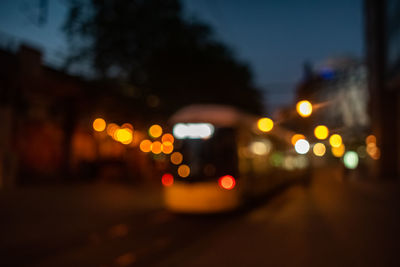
[[58, 216]]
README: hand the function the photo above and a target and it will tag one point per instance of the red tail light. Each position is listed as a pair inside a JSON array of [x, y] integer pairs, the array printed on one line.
[[227, 182], [167, 179]]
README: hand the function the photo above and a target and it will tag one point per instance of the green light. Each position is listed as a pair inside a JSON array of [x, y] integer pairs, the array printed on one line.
[[276, 159], [350, 160]]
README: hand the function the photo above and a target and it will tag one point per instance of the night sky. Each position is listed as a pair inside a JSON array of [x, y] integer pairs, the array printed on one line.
[[273, 37]]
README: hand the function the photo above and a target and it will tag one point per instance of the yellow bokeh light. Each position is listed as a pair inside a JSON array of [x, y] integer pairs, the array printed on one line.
[[167, 138], [124, 136], [183, 171], [321, 132], [371, 139], [156, 147], [265, 124], [155, 131], [296, 138], [338, 151], [335, 140], [319, 149], [145, 146], [176, 158], [99, 124], [167, 147], [304, 108]]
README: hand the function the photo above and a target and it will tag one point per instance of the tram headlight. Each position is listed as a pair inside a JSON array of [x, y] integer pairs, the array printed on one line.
[[193, 130]]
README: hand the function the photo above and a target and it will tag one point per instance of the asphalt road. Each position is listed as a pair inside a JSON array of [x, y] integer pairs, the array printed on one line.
[[329, 223]]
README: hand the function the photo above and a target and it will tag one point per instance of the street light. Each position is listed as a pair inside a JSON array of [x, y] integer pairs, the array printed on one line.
[[335, 140], [321, 132], [304, 108], [265, 124]]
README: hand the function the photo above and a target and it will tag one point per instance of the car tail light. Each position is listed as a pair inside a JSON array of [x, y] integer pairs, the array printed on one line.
[[227, 182]]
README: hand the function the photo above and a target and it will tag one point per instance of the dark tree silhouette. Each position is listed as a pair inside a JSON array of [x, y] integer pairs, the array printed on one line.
[[149, 45]]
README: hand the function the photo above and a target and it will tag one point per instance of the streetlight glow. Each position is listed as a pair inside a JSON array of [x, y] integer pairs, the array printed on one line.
[[321, 132], [302, 146], [265, 124], [335, 140], [304, 108]]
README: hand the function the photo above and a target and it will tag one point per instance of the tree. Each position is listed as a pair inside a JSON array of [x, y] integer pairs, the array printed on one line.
[[148, 44]]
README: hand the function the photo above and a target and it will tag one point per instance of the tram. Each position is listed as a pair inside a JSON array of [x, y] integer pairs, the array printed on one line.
[[222, 160]]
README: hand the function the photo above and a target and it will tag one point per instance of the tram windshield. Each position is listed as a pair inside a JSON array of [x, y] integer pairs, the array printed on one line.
[[211, 157]]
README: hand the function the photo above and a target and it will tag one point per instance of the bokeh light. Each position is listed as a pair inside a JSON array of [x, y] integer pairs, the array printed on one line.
[[127, 125], [304, 108], [155, 131], [296, 138], [156, 147], [361, 151], [265, 124], [183, 171], [167, 138], [167, 147], [335, 140], [261, 147], [319, 149], [350, 160], [99, 124], [302, 146], [167, 179], [124, 136], [111, 128], [321, 132], [371, 139], [176, 158], [227, 182], [338, 151], [145, 146], [373, 151]]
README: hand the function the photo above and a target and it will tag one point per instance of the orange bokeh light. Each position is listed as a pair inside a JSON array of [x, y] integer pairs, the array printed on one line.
[[176, 158], [296, 138], [111, 128], [156, 147], [99, 124], [145, 146], [371, 139], [155, 131], [184, 171], [168, 138], [167, 147]]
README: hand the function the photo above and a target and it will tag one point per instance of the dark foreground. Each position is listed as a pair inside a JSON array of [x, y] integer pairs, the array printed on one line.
[[329, 223]]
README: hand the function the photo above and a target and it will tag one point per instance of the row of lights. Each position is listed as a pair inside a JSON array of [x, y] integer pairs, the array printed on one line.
[[123, 134], [321, 132]]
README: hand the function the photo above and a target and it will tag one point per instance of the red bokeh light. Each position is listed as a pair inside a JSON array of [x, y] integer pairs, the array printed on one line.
[[227, 182], [167, 179]]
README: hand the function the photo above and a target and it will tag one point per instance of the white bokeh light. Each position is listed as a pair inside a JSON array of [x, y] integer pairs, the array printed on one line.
[[302, 146]]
